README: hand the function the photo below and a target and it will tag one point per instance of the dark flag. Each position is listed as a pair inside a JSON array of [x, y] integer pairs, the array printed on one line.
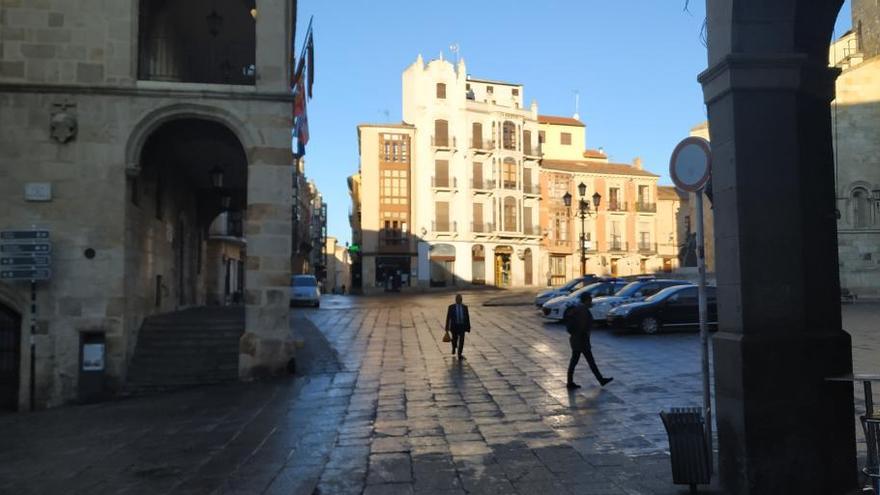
[[311, 63]]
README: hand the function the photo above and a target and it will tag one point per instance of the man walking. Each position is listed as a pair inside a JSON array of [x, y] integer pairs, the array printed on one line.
[[579, 323], [458, 321]]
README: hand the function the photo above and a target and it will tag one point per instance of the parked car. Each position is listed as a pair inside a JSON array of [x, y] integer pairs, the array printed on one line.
[[633, 292], [564, 290], [304, 290], [556, 308], [671, 307]]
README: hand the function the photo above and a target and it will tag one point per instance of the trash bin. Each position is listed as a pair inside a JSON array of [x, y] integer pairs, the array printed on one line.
[[688, 448], [92, 359]]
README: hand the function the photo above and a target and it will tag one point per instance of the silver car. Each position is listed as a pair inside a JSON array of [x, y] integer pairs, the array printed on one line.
[[304, 290]]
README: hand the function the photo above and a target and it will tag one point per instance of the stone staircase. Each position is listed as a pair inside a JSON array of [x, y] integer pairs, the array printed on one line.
[[186, 348]]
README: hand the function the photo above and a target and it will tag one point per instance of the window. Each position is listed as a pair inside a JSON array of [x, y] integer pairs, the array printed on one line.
[[527, 219], [560, 227], [395, 187], [508, 172], [644, 195], [861, 209], [542, 137], [477, 135], [565, 138], [441, 91], [615, 241], [527, 142], [509, 214], [441, 133], [394, 148], [527, 179], [490, 89], [441, 173], [441, 216], [557, 270], [514, 91], [478, 176], [614, 199], [508, 131], [478, 218]]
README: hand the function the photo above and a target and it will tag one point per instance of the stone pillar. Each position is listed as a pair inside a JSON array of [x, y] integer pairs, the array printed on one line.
[[781, 427], [267, 344]]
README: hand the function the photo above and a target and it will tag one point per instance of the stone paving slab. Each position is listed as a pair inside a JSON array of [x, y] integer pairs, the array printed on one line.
[[384, 408]]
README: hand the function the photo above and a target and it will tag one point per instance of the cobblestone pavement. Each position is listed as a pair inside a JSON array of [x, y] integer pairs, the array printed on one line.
[[381, 407]]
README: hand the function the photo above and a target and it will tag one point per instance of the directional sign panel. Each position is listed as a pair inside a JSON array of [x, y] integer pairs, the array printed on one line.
[[25, 261], [35, 248], [24, 235], [26, 274]]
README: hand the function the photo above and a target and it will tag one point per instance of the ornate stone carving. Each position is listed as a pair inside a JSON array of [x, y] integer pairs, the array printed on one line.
[[63, 122]]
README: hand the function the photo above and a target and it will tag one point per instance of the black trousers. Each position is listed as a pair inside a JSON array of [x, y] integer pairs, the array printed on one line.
[[458, 340], [576, 356]]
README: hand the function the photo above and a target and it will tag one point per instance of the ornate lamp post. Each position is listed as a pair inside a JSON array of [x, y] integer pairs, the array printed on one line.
[[584, 211]]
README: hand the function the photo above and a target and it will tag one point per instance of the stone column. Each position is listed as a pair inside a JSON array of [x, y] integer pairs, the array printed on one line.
[[781, 427], [267, 344]]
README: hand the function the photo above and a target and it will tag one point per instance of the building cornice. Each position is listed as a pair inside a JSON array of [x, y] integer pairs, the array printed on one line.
[[158, 90]]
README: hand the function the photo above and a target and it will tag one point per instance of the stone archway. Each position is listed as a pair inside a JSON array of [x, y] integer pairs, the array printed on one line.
[[768, 89]]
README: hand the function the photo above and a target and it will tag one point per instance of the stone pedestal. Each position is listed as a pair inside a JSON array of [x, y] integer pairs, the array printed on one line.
[[781, 427]]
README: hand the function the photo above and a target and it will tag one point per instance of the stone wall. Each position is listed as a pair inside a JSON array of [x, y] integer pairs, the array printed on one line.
[[866, 23]]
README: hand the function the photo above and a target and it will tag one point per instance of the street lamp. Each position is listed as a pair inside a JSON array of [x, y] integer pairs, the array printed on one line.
[[584, 211]]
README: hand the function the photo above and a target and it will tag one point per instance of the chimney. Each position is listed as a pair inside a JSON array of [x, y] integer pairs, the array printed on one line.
[[637, 162]]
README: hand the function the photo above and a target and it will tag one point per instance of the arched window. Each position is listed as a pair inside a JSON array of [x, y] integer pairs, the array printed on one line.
[[861, 208], [441, 132], [508, 173], [509, 214], [508, 132]]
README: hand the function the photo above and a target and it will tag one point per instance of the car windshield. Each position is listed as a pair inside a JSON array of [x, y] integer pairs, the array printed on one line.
[[663, 294], [304, 282], [629, 289], [571, 285], [592, 288]]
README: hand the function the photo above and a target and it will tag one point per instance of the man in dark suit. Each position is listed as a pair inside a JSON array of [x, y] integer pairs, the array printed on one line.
[[458, 321], [579, 323]]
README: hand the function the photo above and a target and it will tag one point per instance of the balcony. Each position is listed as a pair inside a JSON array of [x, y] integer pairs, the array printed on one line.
[[392, 238], [443, 142], [482, 145], [444, 183], [533, 151], [481, 227], [617, 245], [648, 247], [482, 185], [508, 184], [617, 206], [532, 230], [444, 227], [645, 207], [562, 244], [532, 189]]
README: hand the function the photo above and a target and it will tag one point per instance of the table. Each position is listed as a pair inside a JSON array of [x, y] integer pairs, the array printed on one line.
[[866, 379]]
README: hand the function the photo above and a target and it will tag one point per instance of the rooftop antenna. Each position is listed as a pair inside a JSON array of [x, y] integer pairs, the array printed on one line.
[[577, 104], [454, 48]]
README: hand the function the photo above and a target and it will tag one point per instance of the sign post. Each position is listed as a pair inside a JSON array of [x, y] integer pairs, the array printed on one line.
[[26, 255], [690, 168]]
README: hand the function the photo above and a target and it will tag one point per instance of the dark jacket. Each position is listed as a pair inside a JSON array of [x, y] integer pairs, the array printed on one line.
[[579, 323], [452, 325]]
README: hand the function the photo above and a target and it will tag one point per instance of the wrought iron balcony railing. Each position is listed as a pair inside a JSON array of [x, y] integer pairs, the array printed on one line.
[[643, 206], [447, 226]]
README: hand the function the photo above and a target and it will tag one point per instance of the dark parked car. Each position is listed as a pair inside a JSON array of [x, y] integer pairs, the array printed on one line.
[[673, 307], [635, 291]]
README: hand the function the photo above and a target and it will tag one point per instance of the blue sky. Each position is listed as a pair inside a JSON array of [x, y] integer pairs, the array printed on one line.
[[634, 63]]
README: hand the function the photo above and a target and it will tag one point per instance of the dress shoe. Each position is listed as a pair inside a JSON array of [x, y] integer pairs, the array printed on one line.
[[572, 385], [605, 381], [460, 356]]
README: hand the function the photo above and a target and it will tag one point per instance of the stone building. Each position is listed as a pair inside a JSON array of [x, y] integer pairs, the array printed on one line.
[[451, 196], [855, 114], [338, 267], [126, 129], [622, 236]]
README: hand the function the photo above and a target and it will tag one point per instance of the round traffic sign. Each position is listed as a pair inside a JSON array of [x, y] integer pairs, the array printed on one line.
[[691, 164]]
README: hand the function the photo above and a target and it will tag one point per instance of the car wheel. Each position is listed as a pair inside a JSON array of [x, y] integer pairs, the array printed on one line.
[[650, 325]]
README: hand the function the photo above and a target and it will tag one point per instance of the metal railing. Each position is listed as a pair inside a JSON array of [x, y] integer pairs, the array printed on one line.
[[617, 206], [508, 184], [392, 238], [162, 58], [562, 243], [483, 184], [617, 245], [481, 227], [442, 142], [533, 150], [645, 206], [482, 144], [532, 188], [647, 247], [444, 182], [532, 230], [444, 226]]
